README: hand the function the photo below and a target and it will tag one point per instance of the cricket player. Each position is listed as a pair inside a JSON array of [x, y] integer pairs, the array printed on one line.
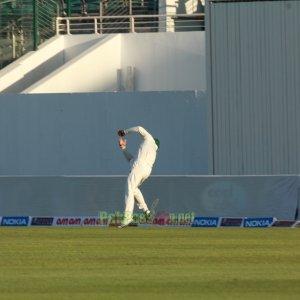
[[141, 167]]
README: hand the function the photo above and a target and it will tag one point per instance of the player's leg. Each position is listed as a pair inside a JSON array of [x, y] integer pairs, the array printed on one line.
[[140, 201], [139, 198], [129, 192], [133, 181]]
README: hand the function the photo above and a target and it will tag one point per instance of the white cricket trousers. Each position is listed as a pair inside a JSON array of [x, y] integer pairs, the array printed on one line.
[[136, 177]]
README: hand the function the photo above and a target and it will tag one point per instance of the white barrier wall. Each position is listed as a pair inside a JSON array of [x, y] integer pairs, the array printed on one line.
[[166, 61], [35, 65], [98, 63], [245, 196], [92, 70], [76, 134]]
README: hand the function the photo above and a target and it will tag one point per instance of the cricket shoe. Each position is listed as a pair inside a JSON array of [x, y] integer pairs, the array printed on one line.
[[149, 216], [127, 220], [123, 224]]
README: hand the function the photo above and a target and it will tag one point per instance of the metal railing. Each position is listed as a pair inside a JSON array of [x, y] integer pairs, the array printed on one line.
[[25, 24], [130, 23], [105, 8], [44, 14], [73, 8]]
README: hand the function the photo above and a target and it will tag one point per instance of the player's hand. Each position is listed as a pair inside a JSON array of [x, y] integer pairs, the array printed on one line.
[[121, 132], [122, 143]]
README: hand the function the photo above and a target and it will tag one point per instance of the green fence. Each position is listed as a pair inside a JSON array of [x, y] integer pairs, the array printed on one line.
[[24, 25], [108, 7]]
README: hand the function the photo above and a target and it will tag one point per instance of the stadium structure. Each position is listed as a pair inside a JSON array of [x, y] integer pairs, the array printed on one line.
[[217, 82]]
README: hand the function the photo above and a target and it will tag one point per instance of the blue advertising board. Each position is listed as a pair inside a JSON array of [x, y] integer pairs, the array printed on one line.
[[231, 222], [42, 221], [205, 222], [258, 222], [15, 221]]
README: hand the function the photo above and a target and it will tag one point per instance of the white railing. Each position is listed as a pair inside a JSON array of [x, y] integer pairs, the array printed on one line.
[[130, 23]]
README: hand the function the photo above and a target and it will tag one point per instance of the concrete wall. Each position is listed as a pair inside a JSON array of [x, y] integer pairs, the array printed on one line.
[[94, 69], [90, 63], [228, 196], [75, 134], [166, 61], [32, 66], [35, 65], [161, 62]]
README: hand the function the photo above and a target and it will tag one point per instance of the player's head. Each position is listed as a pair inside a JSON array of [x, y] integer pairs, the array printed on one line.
[[157, 142]]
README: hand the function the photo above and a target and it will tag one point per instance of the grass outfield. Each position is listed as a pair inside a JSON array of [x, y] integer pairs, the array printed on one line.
[[149, 263]]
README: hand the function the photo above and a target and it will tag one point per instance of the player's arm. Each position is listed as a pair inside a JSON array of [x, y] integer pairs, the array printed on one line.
[[127, 155], [137, 129], [122, 144]]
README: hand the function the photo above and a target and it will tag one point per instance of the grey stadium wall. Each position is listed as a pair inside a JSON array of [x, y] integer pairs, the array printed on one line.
[[211, 196], [59, 156], [76, 134], [253, 77]]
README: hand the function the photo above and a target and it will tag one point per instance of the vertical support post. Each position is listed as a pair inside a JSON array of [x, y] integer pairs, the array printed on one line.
[[132, 29], [57, 25], [210, 92], [100, 14], [14, 46], [130, 7], [131, 20], [68, 26], [119, 80], [68, 8], [95, 26], [35, 24]]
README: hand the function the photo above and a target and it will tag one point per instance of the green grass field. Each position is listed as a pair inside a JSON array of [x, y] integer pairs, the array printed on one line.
[[149, 263]]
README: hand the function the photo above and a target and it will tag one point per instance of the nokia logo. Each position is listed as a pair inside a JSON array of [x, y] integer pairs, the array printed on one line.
[[258, 222], [205, 222], [15, 221]]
